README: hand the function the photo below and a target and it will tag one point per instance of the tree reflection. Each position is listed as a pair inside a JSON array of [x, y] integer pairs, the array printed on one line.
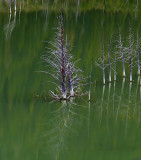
[[125, 101], [139, 110], [120, 97], [10, 26], [101, 105], [59, 128]]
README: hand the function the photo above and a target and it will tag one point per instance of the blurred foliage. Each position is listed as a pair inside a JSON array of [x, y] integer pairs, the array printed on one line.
[[81, 5]]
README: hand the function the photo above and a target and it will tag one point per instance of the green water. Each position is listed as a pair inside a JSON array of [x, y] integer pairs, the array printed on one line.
[[34, 128]]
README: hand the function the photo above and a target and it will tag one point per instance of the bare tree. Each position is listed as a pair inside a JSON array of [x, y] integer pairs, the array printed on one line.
[[63, 66], [101, 63], [138, 53], [122, 53], [130, 52]]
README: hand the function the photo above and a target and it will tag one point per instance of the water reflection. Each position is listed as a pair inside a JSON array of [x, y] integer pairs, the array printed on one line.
[[114, 109], [119, 104], [108, 100], [10, 26], [114, 94], [136, 94], [101, 105], [59, 128], [139, 109], [120, 97]]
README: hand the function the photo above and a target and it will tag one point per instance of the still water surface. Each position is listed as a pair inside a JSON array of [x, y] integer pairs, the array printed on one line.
[[34, 128]]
